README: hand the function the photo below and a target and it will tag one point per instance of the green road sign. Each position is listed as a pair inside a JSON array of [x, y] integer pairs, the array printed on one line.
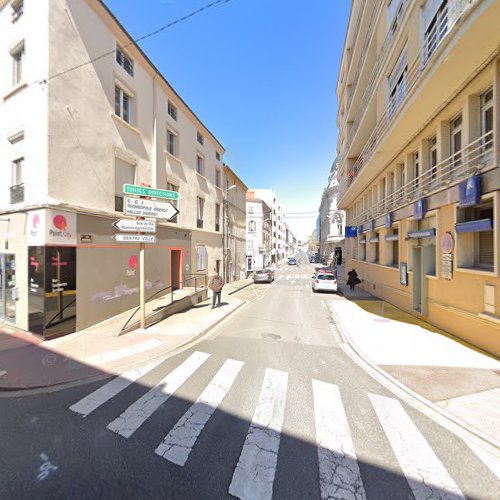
[[152, 192]]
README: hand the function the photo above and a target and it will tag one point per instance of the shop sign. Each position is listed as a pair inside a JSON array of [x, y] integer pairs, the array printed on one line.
[[86, 238], [351, 231], [447, 243], [470, 192], [370, 225], [419, 209], [360, 229], [52, 227], [447, 266], [388, 219], [424, 233], [403, 273]]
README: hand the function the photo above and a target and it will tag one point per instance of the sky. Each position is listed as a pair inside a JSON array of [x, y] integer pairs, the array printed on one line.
[[262, 76]]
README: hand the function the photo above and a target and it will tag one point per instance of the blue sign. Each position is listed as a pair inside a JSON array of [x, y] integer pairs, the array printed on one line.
[[360, 229], [370, 225], [470, 192], [423, 233], [351, 231], [474, 226], [419, 209], [388, 219]]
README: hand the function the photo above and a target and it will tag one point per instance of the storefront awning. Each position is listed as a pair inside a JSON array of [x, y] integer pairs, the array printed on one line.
[[474, 226]]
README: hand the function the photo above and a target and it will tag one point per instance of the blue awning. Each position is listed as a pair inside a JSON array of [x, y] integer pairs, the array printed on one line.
[[474, 226], [424, 233], [391, 237]]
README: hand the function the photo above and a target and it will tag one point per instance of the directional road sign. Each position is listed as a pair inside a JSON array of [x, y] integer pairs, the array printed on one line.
[[151, 192], [135, 238], [135, 226], [139, 207]]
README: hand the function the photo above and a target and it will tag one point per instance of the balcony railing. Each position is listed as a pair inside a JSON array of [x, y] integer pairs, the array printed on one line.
[[16, 194], [447, 18], [470, 160]]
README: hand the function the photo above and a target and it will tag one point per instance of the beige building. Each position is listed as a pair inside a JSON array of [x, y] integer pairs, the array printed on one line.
[[419, 94], [235, 226], [71, 134]]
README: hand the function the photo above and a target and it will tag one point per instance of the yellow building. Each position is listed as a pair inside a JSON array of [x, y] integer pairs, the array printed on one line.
[[418, 147]]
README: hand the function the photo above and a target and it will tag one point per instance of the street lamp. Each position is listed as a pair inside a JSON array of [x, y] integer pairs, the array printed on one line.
[[225, 235]]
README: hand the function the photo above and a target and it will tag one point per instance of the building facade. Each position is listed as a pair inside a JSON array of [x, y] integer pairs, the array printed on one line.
[[235, 226], [69, 140], [418, 147], [258, 237], [332, 222]]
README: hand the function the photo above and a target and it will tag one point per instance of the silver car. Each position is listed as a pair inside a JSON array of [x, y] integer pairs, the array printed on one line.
[[263, 276]]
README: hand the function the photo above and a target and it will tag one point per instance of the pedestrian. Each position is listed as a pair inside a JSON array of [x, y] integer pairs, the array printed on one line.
[[353, 279], [216, 285]]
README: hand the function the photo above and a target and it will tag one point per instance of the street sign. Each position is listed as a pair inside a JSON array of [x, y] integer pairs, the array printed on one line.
[[135, 226], [135, 238], [151, 192], [139, 207]]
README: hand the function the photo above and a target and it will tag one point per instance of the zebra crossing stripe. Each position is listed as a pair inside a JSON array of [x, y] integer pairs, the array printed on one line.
[[135, 415], [179, 442], [95, 399], [338, 466], [423, 470], [254, 474], [288, 276]]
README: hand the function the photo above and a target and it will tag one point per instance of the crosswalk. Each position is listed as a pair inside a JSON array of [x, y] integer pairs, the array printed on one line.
[[340, 475], [289, 277]]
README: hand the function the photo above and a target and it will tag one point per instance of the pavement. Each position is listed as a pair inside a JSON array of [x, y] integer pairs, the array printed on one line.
[[27, 362], [456, 377]]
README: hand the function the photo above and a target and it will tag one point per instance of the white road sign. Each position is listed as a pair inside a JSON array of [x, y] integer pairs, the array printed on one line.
[[135, 226], [135, 238], [139, 207]]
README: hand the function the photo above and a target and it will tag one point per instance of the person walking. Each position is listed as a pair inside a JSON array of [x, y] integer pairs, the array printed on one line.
[[216, 285], [353, 279]]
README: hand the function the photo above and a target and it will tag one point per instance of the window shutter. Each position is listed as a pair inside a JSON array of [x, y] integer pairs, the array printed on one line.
[[429, 11], [486, 249]]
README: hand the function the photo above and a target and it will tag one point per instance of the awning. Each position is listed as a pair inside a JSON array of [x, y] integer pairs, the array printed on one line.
[[474, 226], [424, 233]]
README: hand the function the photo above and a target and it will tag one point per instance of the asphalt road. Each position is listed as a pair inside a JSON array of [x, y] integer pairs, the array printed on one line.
[[267, 406]]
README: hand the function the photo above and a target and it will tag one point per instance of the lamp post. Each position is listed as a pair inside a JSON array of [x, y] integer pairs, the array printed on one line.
[[225, 233]]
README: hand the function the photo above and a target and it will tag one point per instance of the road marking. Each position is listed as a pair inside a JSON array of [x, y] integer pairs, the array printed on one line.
[[288, 276], [338, 466], [254, 475], [95, 399], [280, 277], [306, 285], [134, 416], [46, 468], [125, 352], [423, 470], [323, 304], [179, 442]]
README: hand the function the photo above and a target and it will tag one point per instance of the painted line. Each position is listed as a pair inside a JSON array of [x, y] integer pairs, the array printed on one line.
[[423, 470], [280, 277], [335, 447], [254, 474], [179, 442], [306, 285], [97, 398], [288, 276], [124, 352], [134, 416]]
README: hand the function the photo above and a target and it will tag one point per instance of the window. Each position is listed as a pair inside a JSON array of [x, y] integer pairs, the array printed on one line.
[[217, 178], [251, 226], [402, 175], [123, 104], [456, 141], [397, 83], [433, 157], [395, 12], [375, 241], [250, 244], [200, 164], [436, 27], [250, 209], [124, 174], [17, 7], [17, 172], [487, 119], [200, 204], [416, 169], [172, 143], [175, 203], [217, 217], [17, 64], [172, 110], [199, 138], [201, 258], [217, 156], [124, 61]]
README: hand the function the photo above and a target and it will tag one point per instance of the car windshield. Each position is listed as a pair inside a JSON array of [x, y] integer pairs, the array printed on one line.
[[326, 277], [261, 271]]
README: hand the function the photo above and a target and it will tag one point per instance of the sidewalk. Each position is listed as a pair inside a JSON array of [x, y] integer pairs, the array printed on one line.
[[97, 352], [460, 379]]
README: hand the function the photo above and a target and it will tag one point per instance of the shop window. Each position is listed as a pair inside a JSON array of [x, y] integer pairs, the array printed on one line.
[[375, 248], [362, 249], [392, 248]]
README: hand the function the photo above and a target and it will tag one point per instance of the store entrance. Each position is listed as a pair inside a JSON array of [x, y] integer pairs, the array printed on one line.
[[7, 287]]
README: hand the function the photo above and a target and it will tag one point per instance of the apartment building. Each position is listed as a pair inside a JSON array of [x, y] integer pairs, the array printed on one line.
[[332, 221], [290, 241], [419, 94], [259, 234], [278, 233], [235, 228], [82, 112]]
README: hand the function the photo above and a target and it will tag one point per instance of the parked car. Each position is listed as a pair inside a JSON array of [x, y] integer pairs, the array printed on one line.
[[292, 261], [263, 276], [324, 282], [313, 259]]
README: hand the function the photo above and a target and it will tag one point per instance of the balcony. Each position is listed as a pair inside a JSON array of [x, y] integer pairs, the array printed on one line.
[[473, 159], [434, 38], [16, 194]]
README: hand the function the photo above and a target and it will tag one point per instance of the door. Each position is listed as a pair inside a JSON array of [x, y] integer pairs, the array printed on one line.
[[421, 265], [175, 269], [7, 286]]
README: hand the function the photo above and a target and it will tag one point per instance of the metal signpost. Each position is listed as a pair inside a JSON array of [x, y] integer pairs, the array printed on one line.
[[141, 206]]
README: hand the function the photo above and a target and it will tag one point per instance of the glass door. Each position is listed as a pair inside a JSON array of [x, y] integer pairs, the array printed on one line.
[[7, 285]]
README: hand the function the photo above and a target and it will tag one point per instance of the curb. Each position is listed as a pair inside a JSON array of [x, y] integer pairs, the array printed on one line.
[[72, 383], [241, 288], [409, 392]]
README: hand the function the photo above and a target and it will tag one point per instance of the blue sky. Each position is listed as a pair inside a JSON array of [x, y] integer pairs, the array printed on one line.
[[261, 75]]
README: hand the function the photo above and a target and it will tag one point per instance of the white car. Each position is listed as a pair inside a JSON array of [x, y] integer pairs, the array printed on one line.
[[324, 282]]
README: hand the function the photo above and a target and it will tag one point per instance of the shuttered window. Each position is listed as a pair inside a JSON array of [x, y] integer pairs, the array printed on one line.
[[485, 251]]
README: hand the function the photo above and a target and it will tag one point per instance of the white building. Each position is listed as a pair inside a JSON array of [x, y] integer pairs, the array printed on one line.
[[332, 221], [69, 140], [258, 238]]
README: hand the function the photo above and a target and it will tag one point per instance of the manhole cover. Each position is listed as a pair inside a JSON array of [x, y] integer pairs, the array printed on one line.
[[271, 336]]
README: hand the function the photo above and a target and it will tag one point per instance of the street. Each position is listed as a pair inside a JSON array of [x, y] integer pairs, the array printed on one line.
[[266, 406]]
